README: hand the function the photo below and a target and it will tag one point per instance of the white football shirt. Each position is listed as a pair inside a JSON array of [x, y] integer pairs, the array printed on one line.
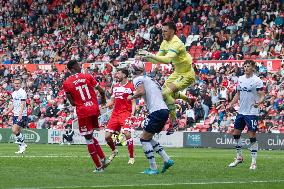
[[18, 96], [153, 95], [248, 88]]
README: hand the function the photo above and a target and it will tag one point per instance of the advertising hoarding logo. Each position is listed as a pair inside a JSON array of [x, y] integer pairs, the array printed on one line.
[[193, 139], [30, 136]]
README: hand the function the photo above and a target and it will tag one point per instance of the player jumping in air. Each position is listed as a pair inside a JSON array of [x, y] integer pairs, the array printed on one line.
[[80, 91], [172, 50]]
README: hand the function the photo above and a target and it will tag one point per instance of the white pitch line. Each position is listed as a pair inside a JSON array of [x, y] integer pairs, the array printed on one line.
[[162, 184], [121, 156]]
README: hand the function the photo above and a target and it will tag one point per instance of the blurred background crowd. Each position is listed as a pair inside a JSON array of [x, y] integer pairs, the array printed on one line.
[[56, 31]]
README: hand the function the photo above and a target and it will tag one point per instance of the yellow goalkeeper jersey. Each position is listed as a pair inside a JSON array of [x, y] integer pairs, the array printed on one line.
[[182, 60]]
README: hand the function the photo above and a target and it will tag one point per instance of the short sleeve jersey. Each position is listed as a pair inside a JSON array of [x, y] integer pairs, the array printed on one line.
[[81, 87]]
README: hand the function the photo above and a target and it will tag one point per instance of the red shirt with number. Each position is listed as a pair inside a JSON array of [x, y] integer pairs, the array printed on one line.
[[120, 93], [81, 87]]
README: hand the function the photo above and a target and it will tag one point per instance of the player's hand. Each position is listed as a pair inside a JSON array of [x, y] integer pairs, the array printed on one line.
[[145, 54], [19, 117]]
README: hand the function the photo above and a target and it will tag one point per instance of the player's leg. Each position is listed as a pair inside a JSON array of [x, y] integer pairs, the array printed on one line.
[[238, 127], [172, 90], [99, 150], [182, 82], [157, 126], [129, 139], [252, 123], [86, 128], [93, 153], [145, 139], [17, 131], [130, 146], [112, 127]]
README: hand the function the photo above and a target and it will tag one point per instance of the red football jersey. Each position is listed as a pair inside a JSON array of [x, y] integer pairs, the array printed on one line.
[[120, 94], [81, 87]]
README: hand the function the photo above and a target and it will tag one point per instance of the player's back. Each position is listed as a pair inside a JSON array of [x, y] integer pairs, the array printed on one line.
[[182, 62], [81, 87], [153, 94]]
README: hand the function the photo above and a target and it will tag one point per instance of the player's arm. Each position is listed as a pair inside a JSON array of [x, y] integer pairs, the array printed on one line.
[[161, 57], [109, 103], [235, 100], [133, 107], [70, 98], [22, 107], [261, 95], [167, 59], [102, 93], [140, 91]]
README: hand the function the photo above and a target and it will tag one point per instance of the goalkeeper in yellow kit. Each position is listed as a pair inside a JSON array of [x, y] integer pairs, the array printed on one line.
[[172, 50]]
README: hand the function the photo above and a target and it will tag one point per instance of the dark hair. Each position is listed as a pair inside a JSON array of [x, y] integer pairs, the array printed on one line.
[[250, 62], [171, 25], [124, 71], [71, 64]]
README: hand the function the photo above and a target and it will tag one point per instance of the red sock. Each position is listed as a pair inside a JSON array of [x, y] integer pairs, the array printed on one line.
[[94, 155], [130, 147], [99, 149], [111, 144]]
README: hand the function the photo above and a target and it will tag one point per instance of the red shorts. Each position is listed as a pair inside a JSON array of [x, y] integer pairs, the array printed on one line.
[[118, 121], [88, 124]]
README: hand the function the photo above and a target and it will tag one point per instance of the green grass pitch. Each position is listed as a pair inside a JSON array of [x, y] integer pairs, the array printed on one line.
[[63, 167]]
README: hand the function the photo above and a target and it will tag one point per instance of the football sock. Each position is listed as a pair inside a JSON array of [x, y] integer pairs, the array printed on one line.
[[253, 151], [239, 147], [149, 153], [98, 149], [130, 147], [111, 144], [93, 153], [159, 150], [20, 138]]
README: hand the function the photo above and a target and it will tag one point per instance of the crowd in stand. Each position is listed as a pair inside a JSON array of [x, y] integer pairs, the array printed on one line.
[[214, 88], [55, 31]]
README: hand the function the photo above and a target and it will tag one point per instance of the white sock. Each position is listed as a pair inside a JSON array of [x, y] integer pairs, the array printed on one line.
[[239, 144], [253, 152], [159, 149], [20, 138], [149, 153]]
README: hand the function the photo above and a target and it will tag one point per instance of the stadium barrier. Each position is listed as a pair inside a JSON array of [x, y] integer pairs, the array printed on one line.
[[174, 140], [273, 65], [178, 139], [223, 140], [30, 135]]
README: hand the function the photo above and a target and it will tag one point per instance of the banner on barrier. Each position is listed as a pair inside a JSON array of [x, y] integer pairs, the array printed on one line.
[[174, 140], [271, 64], [30, 135], [224, 140]]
